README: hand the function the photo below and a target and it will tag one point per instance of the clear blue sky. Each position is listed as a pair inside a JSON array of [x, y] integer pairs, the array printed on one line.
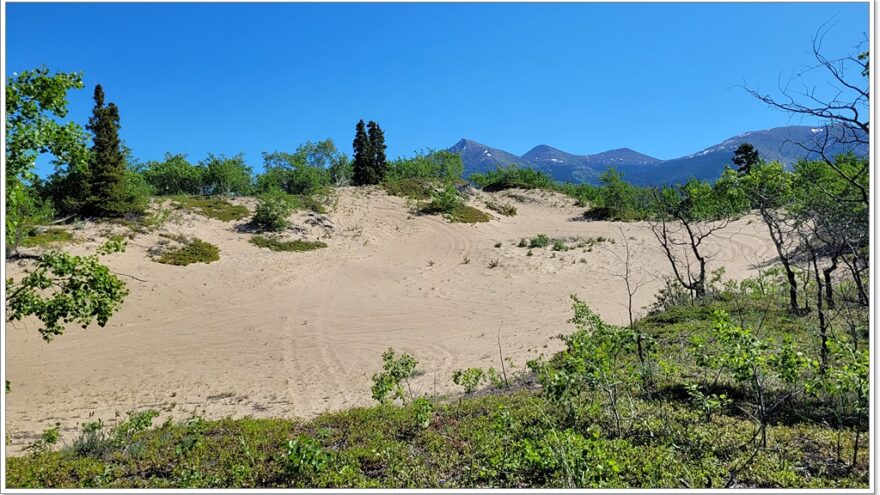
[[229, 78]]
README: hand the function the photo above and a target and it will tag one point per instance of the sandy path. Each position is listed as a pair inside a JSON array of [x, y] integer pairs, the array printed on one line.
[[282, 334]]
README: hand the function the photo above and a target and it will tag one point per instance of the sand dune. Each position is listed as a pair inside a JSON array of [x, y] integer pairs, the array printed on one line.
[[263, 333]]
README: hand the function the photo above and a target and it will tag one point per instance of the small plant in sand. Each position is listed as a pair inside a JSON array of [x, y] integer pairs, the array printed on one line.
[[190, 251], [505, 209], [494, 264], [276, 243], [396, 372], [272, 211], [468, 379], [214, 207], [45, 237], [539, 241]]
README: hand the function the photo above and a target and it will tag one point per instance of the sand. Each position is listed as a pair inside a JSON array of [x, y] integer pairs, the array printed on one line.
[[274, 334]]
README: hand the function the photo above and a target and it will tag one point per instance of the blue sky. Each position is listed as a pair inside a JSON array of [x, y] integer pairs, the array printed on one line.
[[229, 78]]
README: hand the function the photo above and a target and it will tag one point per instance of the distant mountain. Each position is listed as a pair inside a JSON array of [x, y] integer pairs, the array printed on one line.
[[781, 143]]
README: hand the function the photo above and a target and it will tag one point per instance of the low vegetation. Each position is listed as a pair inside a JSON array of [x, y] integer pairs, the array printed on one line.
[[188, 252], [275, 243], [722, 392], [214, 207], [43, 237]]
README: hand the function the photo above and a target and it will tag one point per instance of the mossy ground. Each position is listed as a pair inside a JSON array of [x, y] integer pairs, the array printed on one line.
[[468, 214], [191, 251], [277, 244], [47, 237], [212, 207]]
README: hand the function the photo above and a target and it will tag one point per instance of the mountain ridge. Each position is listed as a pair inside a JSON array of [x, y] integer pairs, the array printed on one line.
[[777, 143]]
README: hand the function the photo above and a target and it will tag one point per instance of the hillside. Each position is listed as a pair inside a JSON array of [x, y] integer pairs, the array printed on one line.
[[780, 143], [281, 334]]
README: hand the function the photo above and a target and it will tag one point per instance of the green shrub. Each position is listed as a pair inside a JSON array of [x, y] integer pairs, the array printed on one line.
[[559, 245], [212, 207], [175, 176], [512, 177], [504, 209], [468, 214], [48, 236], [277, 244], [539, 241], [272, 211], [468, 379], [413, 188], [395, 373], [443, 165], [192, 251], [443, 201]]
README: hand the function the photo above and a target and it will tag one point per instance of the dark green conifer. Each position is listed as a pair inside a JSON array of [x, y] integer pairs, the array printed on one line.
[[106, 188], [378, 161], [361, 163]]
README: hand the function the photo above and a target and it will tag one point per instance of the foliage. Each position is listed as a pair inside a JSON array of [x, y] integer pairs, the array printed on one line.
[[63, 288], [273, 209], [444, 201], [277, 244], [175, 176], [468, 379], [388, 385], [109, 191], [443, 165], [413, 188], [468, 214], [35, 100], [47, 236], [191, 251], [307, 171], [227, 176], [539, 241], [511, 177], [31, 212], [370, 165], [507, 210], [212, 207]]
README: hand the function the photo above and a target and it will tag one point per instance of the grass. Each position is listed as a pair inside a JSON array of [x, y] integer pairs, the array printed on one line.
[[413, 188], [505, 209], [468, 214], [613, 215], [277, 244], [46, 237], [212, 207], [192, 251]]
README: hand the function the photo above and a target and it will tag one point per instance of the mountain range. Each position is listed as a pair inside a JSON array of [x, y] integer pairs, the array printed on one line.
[[780, 143]]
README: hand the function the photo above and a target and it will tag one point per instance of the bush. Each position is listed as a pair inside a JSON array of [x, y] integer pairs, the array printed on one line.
[[272, 212], [227, 176], [413, 188], [505, 209], [276, 244], [443, 201], [539, 241], [175, 176], [213, 207], [192, 251], [48, 236], [512, 177], [468, 214], [443, 165]]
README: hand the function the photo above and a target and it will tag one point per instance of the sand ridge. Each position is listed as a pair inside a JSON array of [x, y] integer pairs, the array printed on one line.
[[271, 334]]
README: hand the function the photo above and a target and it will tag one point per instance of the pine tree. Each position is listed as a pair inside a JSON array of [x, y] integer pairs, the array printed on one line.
[[745, 157], [378, 161], [361, 163], [107, 191]]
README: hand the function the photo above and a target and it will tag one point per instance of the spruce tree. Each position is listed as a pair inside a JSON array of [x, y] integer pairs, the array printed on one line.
[[107, 191], [745, 157], [361, 163], [378, 161]]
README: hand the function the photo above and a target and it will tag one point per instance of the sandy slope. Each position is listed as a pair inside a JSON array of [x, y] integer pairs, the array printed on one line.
[[280, 334]]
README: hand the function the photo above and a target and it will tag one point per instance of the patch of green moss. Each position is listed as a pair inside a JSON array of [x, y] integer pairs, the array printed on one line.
[[212, 207], [468, 214], [193, 251], [48, 236], [276, 244]]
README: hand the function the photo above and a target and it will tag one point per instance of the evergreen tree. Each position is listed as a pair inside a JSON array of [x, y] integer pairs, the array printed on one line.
[[745, 157], [106, 188], [361, 164], [378, 161]]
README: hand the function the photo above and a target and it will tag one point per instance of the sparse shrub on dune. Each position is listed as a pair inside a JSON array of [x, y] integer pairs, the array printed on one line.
[[190, 251], [277, 244], [214, 207], [505, 209], [273, 210], [512, 177]]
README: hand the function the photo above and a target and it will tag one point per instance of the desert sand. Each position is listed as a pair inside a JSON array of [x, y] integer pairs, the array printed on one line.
[[272, 334]]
